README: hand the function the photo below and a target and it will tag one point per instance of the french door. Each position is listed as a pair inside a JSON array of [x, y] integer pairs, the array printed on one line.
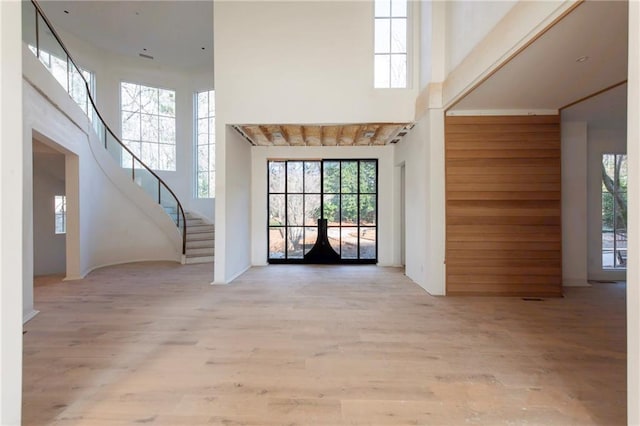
[[342, 191]]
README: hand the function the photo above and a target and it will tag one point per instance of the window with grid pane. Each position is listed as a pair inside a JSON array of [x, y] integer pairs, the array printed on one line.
[[342, 191], [614, 211], [205, 144], [149, 125], [390, 44]]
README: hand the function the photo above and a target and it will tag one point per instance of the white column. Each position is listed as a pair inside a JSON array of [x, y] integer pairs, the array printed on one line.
[[633, 267], [11, 222], [435, 280], [574, 204], [72, 191]]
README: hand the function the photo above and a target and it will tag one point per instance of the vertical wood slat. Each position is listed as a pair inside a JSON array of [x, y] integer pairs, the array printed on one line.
[[503, 203]]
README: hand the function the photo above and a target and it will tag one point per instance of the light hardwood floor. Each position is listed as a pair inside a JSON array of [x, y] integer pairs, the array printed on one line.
[[155, 344]]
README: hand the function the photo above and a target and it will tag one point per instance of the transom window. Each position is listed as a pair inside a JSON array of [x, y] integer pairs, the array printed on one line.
[[390, 46], [342, 191], [149, 125], [205, 144], [614, 211]]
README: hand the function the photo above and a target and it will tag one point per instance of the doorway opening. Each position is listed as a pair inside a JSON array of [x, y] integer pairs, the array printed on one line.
[[49, 211]]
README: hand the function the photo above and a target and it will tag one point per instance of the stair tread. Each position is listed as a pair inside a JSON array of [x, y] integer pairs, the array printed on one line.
[[199, 251], [204, 236], [201, 243], [203, 259]]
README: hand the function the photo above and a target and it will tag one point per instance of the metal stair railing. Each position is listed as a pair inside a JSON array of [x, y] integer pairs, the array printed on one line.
[[38, 33]]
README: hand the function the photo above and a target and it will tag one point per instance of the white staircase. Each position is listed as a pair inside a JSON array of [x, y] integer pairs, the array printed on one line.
[[200, 239]]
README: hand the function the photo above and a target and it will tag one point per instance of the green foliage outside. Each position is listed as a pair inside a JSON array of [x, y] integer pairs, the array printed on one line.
[[348, 189], [341, 182]]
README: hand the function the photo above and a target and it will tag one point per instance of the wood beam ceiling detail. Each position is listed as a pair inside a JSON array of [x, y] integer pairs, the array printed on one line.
[[364, 134]]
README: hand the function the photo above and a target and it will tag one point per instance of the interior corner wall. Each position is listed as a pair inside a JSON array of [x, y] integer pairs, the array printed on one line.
[[49, 254], [384, 155], [603, 138], [410, 153], [633, 269], [574, 203], [467, 23], [235, 228], [422, 154], [11, 213]]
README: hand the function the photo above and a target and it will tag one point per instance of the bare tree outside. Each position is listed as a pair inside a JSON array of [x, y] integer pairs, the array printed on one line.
[[614, 210], [342, 191], [149, 125]]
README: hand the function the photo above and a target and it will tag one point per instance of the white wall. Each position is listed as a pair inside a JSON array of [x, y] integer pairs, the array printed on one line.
[[302, 62], [49, 254], [11, 213], [468, 22], [259, 186], [422, 152], [410, 152], [574, 203], [233, 240], [426, 40], [633, 279]]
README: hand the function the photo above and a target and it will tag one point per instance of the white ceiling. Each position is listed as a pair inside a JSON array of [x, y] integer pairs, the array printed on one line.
[[546, 74], [173, 32], [607, 107]]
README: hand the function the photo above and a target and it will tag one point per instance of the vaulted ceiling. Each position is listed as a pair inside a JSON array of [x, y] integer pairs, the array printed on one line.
[[363, 134]]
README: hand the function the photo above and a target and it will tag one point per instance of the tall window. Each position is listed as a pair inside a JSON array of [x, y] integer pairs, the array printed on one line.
[[390, 52], [614, 211], [205, 144], [60, 211], [342, 191], [149, 125]]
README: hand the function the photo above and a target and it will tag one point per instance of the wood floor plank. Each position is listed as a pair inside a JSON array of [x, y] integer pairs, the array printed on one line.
[[156, 344]]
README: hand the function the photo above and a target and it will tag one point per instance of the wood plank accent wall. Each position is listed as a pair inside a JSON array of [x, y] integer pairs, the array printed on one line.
[[503, 214]]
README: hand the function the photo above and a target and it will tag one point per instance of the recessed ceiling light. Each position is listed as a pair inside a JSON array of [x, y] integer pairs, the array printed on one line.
[[582, 59]]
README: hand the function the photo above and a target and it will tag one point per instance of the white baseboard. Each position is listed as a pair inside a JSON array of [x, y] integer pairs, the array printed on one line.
[[73, 277], [230, 280], [575, 282], [29, 316]]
